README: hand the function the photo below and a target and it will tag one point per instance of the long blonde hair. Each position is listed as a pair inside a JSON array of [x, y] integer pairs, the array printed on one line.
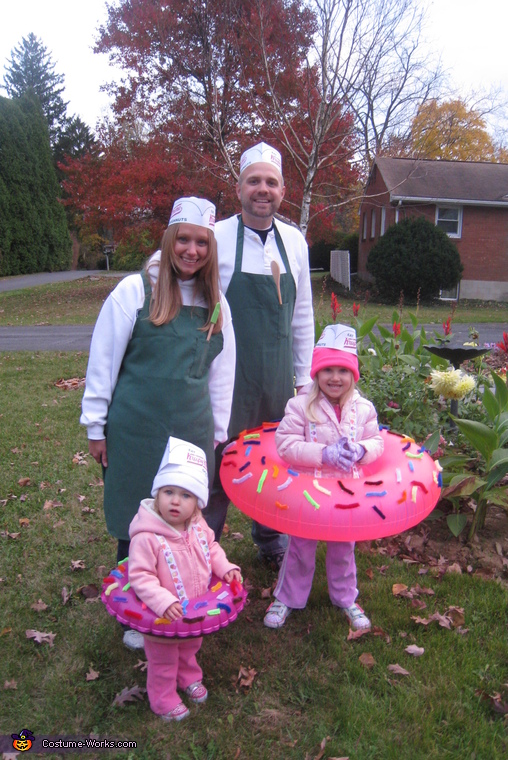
[[166, 300], [313, 397]]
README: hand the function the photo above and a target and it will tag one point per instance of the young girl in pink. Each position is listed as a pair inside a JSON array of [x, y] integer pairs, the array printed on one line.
[[327, 429], [172, 555]]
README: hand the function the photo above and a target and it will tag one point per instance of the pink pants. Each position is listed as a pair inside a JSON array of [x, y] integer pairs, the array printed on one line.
[[297, 571], [171, 664]]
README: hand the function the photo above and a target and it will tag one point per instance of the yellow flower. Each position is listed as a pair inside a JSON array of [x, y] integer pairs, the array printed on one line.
[[452, 384]]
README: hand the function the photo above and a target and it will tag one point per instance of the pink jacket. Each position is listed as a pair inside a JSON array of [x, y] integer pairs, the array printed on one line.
[[149, 574], [294, 440]]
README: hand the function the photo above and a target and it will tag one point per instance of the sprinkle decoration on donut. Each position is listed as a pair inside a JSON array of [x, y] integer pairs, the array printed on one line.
[[394, 493], [203, 614]]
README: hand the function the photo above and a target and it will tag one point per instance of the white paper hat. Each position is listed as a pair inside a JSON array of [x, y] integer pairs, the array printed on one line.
[[193, 211], [261, 153], [183, 465], [340, 337]]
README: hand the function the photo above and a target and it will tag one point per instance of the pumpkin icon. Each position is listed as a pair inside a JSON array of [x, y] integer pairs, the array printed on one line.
[[22, 741]]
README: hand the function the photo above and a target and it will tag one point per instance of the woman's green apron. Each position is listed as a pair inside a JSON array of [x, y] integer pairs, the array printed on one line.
[[264, 379], [162, 390]]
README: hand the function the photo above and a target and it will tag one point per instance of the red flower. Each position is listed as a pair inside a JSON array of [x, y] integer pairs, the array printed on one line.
[[396, 329], [356, 309], [336, 308], [447, 326], [503, 345]]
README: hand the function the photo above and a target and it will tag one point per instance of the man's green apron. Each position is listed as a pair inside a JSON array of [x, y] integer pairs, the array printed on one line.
[[264, 377], [162, 390]]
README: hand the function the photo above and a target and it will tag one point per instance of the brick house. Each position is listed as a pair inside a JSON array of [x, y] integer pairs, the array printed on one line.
[[468, 200]]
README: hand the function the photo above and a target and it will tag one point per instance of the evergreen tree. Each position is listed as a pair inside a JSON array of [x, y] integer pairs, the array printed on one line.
[[33, 226]]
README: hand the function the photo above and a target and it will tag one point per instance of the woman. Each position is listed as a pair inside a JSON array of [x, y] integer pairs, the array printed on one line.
[[161, 364]]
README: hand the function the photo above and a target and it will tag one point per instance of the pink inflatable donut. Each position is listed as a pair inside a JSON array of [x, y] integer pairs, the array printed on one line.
[[203, 614], [395, 492]]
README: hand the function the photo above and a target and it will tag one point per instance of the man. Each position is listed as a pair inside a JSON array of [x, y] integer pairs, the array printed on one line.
[[274, 339]]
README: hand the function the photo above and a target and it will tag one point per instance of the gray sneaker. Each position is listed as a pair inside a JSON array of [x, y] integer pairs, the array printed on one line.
[[276, 614]]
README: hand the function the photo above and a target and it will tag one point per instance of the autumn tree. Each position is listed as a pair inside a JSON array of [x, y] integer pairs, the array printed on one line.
[[450, 130]]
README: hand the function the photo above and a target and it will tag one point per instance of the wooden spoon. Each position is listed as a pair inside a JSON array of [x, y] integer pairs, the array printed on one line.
[[276, 276]]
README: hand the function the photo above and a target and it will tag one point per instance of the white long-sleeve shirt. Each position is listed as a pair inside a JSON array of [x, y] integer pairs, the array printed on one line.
[[111, 335], [256, 260]]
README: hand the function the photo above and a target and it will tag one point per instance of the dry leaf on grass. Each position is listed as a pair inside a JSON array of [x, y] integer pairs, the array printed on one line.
[[129, 695], [72, 384], [266, 593], [374, 631], [89, 592], [496, 701], [40, 637], [24, 522], [39, 606], [92, 674], [398, 589], [367, 660], [246, 677], [23, 482], [414, 650], [452, 618], [78, 564], [80, 458], [10, 684], [66, 595], [141, 665], [398, 670]]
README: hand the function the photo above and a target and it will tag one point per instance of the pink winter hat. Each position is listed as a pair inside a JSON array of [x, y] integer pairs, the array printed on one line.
[[336, 348]]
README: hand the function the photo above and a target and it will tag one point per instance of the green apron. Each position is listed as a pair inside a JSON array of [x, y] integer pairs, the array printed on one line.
[[264, 379], [162, 390]]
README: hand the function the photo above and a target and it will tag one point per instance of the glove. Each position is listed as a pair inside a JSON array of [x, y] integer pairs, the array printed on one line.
[[356, 449], [338, 456]]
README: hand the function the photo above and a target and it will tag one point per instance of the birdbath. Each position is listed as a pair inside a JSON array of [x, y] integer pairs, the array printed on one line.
[[456, 355]]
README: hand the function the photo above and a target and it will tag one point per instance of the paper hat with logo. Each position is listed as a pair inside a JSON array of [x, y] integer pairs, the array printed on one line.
[[183, 465], [261, 153], [193, 211], [336, 348]]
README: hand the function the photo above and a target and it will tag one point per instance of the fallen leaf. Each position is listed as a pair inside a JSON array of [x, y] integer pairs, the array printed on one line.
[[39, 606], [4, 631], [414, 650], [129, 695], [23, 482], [79, 458], [400, 671], [266, 593], [92, 674], [455, 568], [66, 595], [456, 615], [367, 660], [246, 677], [48, 504], [78, 564], [81, 498], [24, 522], [90, 591], [398, 589], [10, 684], [72, 384], [237, 536], [141, 665], [40, 637], [369, 573], [44, 484]]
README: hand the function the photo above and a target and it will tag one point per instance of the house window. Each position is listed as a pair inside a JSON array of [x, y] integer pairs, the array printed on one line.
[[364, 226], [452, 294], [373, 223], [449, 218], [383, 221]]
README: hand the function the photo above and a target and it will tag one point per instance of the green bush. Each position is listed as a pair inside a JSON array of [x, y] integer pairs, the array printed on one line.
[[132, 252], [415, 257]]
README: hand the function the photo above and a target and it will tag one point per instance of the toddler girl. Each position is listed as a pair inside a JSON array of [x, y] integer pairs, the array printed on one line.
[[172, 555], [327, 427]]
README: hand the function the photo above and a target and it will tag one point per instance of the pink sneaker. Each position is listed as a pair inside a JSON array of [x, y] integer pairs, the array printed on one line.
[[197, 693], [177, 713]]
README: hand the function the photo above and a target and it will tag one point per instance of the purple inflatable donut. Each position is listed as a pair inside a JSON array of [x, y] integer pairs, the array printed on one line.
[[203, 614]]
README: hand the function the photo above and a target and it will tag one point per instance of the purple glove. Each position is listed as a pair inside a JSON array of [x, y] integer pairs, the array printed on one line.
[[338, 456], [356, 449]]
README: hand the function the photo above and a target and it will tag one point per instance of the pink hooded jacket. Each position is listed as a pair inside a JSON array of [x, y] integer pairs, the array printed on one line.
[[148, 570], [293, 437]]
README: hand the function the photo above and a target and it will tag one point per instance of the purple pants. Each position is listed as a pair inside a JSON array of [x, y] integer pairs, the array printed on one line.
[[171, 664], [297, 571]]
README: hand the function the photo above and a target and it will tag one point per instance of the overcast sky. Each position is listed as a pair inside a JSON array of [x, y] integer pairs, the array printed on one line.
[[471, 36]]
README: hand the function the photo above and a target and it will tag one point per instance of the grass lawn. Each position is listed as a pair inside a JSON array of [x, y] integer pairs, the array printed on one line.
[[79, 302], [310, 694]]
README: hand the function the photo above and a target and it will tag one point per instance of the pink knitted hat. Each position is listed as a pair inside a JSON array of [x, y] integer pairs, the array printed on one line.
[[336, 348]]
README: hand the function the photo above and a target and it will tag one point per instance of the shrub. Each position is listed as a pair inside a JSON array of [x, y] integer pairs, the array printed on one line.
[[413, 256]]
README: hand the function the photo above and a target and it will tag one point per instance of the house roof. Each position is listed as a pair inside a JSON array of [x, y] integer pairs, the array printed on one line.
[[466, 182]]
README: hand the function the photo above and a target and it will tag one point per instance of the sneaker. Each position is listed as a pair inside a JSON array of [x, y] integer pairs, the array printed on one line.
[[357, 617], [133, 639], [276, 614], [197, 693], [177, 713]]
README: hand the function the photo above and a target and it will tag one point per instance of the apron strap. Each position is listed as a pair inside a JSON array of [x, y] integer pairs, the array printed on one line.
[[278, 240]]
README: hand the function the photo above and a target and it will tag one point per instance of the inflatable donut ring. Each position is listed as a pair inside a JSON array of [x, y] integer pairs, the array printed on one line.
[[203, 614], [393, 494]]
